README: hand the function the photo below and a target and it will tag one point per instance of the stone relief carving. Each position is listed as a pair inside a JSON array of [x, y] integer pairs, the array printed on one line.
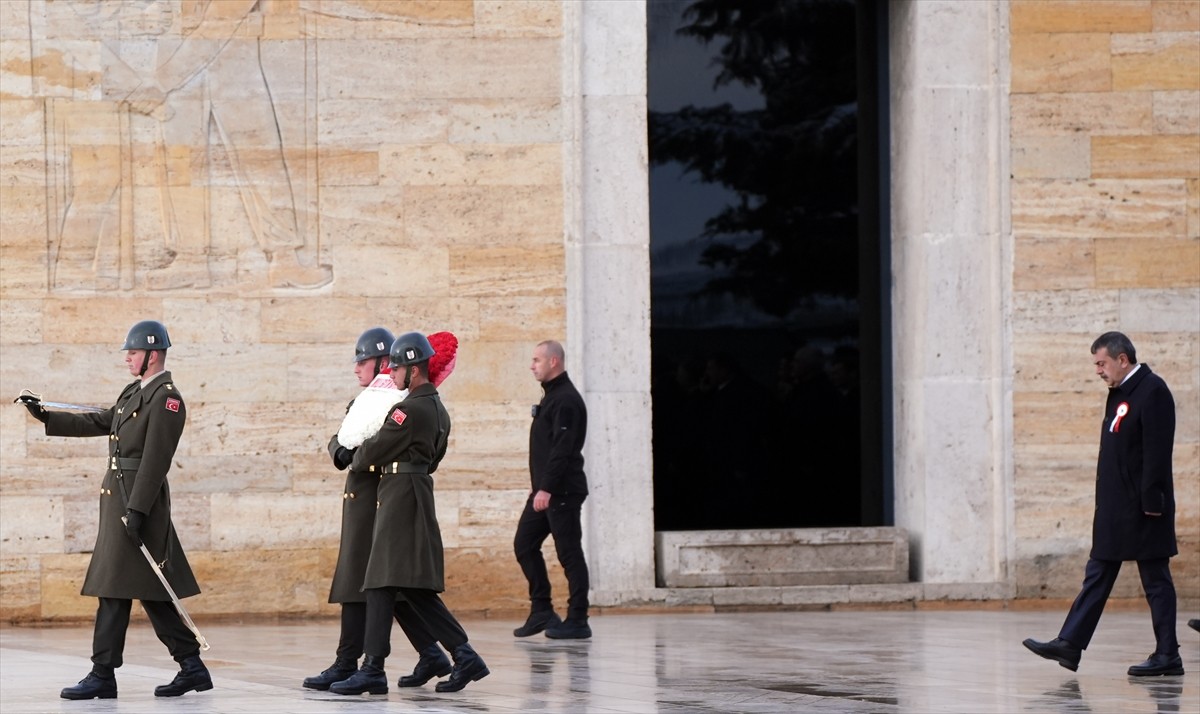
[[168, 165]]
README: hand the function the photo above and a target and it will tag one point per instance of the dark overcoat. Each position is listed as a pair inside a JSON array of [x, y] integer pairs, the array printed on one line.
[[406, 547], [358, 524], [1133, 472], [143, 429]]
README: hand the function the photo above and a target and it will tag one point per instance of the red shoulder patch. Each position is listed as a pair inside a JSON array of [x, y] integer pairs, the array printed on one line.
[[172, 404], [399, 417]]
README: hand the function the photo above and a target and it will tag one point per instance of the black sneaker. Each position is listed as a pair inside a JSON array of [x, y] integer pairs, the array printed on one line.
[[569, 630], [537, 622]]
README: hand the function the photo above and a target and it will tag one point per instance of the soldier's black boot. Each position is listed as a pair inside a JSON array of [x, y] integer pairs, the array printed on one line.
[[433, 663], [370, 679], [468, 667], [341, 668], [193, 675], [100, 683]]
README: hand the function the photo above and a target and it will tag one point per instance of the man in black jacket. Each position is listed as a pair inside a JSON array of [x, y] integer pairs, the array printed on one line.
[[1135, 509], [556, 500]]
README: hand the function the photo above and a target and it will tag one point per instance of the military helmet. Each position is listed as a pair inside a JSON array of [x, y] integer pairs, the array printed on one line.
[[411, 348], [375, 342], [147, 335]]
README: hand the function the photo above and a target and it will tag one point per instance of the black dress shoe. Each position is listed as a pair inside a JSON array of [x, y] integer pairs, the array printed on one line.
[[341, 669], [1058, 650], [193, 675], [1194, 624], [369, 679], [537, 622], [468, 667], [433, 663], [570, 629], [92, 686], [1158, 665]]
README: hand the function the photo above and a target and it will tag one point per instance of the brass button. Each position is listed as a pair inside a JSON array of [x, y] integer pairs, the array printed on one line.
[[134, 415], [352, 495], [170, 386], [377, 504], [345, 496], [121, 410], [371, 468]]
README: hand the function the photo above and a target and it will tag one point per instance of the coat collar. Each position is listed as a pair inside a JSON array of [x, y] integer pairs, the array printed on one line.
[[1134, 379]]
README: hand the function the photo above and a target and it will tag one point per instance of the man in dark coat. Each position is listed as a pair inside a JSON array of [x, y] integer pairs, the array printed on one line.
[[143, 429], [558, 489], [1135, 509], [371, 353], [406, 546]]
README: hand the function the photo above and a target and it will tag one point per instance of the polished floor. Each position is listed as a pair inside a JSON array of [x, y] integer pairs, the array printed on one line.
[[923, 661]]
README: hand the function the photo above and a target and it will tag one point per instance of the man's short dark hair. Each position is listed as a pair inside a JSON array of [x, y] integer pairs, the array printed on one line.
[[1116, 344]]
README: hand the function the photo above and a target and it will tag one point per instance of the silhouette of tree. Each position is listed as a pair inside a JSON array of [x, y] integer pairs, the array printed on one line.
[[792, 232]]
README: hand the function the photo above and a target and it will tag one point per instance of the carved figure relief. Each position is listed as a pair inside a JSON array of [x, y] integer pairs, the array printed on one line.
[[168, 163]]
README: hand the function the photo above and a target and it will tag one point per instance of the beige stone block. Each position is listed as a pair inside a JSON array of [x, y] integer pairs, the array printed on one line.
[[488, 517], [421, 270], [1176, 16], [14, 421], [518, 18], [313, 473], [57, 474], [349, 167], [1056, 417], [1158, 311], [61, 580], [1064, 263], [220, 372], [21, 322], [485, 215], [1098, 209], [488, 427], [367, 217], [522, 318], [1187, 407], [1146, 156], [495, 372], [81, 374], [24, 210], [323, 373], [261, 581], [1162, 60], [446, 165], [212, 318], [465, 470], [22, 122], [23, 166], [98, 320], [338, 320], [1147, 263], [507, 271], [1080, 16], [1060, 62], [390, 19], [506, 121], [1089, 113], [1193, 208], [488, 578], [1051, 157], [14, 21], [16, 69], [1054, 363], [274, 521], [444, 68], [1177, 112], [20, 584], [197, 472], [259, 428], [1054, 490], [362, 124], [31, 524], [81, 518]]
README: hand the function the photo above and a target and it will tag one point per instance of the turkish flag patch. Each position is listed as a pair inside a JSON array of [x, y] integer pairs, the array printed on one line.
[[399, 417], [172, 404]]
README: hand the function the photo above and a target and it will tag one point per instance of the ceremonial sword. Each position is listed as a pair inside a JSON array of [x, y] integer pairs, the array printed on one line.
[[187, 620], [28, 396]]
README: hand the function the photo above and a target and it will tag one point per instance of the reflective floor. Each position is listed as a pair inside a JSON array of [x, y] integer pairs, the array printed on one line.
[[926, 661]]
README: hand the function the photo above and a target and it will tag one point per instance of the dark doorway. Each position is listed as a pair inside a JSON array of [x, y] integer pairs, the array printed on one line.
[[768, 213]]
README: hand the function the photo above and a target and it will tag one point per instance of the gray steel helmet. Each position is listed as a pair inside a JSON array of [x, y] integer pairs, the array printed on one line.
[[375, 342], [411, 348], [147, 335]]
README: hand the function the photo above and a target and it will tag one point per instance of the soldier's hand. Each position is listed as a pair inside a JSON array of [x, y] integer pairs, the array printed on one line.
[[34, 405], [342, 457], [133, 525]]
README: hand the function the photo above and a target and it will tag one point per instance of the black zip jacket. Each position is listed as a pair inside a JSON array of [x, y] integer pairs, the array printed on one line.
[[556, 439]]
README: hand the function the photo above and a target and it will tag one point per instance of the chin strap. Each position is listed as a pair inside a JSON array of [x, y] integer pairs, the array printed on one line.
[[145, 364]]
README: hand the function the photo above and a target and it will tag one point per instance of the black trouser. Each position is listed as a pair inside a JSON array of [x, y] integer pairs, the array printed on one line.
[[422, 614], [561, 520], [112, 621], [1098, 580], [354, 626]]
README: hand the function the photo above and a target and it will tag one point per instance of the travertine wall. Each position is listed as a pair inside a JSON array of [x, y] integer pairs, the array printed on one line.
[[1105, 190], [269, 179]]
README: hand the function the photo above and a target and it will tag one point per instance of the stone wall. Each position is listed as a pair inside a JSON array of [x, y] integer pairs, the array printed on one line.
[[403, 167], [1105, 133]]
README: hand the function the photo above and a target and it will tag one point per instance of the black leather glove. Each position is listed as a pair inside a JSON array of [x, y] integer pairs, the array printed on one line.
[[34, 405], [133, 525], [342, 457]]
